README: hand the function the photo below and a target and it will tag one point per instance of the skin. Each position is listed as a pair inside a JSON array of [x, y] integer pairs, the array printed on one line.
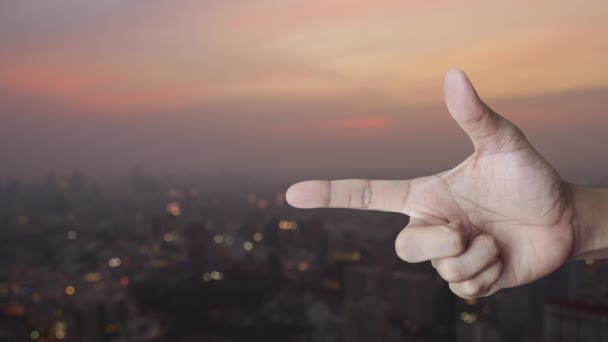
[[502, 218]]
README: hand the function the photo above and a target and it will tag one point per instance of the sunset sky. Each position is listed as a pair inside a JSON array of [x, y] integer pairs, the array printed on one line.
[[293, 88]]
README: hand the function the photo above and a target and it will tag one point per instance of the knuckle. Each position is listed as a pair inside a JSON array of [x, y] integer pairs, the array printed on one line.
[[472, 287], [490, 243], [366, 196], [456, 240], [450, 270], [402, 249]]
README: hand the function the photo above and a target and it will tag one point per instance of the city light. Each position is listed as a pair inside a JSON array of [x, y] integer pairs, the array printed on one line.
[[168, 237], [114, 262], [262, 204], [70, 290], [60, 335], [288, 225], [303, 266], [206, 277], [589, 261], [348, 257], [124, 281], [258, 237], [174, 209], [218, 239], [72, 235], [216, 275], [92, 277], [331, 284], [34, 335], [247, 246], [468, 318]]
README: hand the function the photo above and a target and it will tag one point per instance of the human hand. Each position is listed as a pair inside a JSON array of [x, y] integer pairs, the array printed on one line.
[[502, 218]]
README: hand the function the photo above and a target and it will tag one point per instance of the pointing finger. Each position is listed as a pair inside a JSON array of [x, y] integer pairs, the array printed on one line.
[[364, 194]]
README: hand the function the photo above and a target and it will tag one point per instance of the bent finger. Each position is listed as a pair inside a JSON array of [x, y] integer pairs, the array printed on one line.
[[481, 284], [482, 252], [422, 243]]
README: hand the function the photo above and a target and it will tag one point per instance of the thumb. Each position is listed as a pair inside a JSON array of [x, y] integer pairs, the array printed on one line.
[[489, 132]]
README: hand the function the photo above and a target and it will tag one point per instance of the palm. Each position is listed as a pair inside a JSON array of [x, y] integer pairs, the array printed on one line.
[[499, 219], [516, 197]]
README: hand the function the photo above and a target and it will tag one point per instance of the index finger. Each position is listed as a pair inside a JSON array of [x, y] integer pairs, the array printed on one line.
[[383, 195]]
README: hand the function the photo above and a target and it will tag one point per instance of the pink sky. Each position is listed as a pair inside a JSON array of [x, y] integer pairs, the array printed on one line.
[[333, 87]]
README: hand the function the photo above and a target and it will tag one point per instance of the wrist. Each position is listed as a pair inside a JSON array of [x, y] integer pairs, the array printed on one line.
[[590, 222]]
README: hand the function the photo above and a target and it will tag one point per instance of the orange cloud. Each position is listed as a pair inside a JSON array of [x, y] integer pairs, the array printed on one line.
[[162, 55]]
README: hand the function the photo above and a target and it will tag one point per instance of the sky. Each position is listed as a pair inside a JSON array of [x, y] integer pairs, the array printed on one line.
[[293, 88]]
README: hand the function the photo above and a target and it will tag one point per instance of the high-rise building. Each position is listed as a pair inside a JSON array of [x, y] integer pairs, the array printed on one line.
[[100, 314], [366, 312], [198, 240], [413, 297], [568, 320]]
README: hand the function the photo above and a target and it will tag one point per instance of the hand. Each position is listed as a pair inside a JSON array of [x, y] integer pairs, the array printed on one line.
[[502, 218]]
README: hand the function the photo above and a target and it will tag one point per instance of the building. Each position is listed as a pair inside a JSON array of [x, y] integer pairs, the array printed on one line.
[[570, 320]]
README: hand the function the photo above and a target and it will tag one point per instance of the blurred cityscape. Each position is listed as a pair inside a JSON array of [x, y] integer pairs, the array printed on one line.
[[162, 259]]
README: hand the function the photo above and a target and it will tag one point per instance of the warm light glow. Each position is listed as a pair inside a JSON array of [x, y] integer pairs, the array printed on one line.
[[70, 290], [258, 237], [468, 318], [174, 209], [589, 261], [60, 335], [168, 237], [124, 281], [247, 246], [262, 204], [216, 275], [348, 257], [218, 239], [92, 277], [34, 335], [331, 284], [303, 266], [206, 277], [114, 262], [288, 225]]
